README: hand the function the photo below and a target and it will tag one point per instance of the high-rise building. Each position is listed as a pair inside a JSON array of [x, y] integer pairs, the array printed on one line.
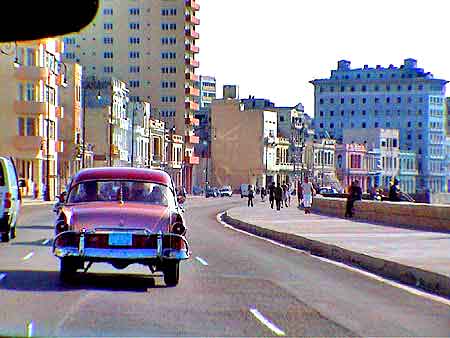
[[150, 45], [405, 98]]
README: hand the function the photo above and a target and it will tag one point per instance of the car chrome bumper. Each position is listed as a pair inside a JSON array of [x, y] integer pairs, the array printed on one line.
[[105, 254]]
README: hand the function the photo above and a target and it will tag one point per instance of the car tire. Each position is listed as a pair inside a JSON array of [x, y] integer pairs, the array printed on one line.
[[172, 274], [242, 196], [67, 269], [5, 237]]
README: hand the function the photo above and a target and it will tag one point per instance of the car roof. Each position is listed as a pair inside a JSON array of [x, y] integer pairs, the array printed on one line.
[[122, 173]]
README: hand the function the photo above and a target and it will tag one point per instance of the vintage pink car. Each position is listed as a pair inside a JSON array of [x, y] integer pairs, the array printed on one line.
[[121, 216]]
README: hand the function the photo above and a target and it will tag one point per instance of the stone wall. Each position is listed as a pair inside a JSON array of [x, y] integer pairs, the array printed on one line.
[[415, 215]]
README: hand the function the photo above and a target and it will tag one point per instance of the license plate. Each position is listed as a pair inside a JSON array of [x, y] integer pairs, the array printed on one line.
[[120, 239]]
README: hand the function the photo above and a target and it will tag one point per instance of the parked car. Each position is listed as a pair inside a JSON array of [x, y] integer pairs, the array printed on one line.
[[10, 199], [328, 191], [244, 190], [121, 216], [212, 192], [196, 190], [226, 191]]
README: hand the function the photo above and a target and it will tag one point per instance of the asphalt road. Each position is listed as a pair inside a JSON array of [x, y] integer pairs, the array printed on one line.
[[234, 285]]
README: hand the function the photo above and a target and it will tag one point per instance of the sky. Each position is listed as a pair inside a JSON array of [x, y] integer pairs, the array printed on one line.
[[272, 48]]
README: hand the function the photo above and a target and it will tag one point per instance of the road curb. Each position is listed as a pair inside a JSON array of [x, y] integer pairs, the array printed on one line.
[[415, 277]]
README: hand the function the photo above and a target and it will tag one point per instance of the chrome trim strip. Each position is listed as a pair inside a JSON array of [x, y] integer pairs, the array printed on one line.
[[121, 253]]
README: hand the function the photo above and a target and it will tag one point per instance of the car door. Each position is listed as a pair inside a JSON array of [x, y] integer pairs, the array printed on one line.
[[14, 190]]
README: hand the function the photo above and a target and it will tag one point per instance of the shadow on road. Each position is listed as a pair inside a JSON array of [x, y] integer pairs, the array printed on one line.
[[48, 281], [39, 242]]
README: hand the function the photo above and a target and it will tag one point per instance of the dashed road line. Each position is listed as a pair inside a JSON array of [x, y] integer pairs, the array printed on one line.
[[202, 261], [45, 242], [2, 276], [28, 256], [267, 323]]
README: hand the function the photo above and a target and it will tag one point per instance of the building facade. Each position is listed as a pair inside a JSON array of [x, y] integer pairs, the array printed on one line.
[[31, 112], [407, 175], [243, 144], [383, 153], [352, 165], [70, 127], [107, 125], [405, 98], [320, 162], [152, 46]]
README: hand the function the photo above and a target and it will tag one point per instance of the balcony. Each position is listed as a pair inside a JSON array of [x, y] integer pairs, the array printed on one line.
[[192, 19], [191, 48], [174, 164], [192, 121], [190, 33], [191, 62], [61, 80], [59, 111], [192, 77], [30, 107], [192, 139], [28, 143], [190, 105], [192, 91], [177, 139], [192, 4], [59, 146], [191, 160], [31, 73]]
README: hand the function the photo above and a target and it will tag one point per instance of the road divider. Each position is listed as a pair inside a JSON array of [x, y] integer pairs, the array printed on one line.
[[202, 261], [267, 323], [28, 256]]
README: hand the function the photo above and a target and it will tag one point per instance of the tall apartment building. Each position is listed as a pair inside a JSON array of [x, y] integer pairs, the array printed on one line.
[[405, 98], [151, 45], [31, 110]]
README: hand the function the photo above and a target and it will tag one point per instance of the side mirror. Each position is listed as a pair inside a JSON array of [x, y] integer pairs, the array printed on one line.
[[22, 183], [62, 197]]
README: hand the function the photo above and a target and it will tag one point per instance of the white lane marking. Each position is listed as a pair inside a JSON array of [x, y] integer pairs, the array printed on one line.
[[30, 329], [202, 261], [45, 242], [406, 288], [267, 323], [31, 254], [2, 276]]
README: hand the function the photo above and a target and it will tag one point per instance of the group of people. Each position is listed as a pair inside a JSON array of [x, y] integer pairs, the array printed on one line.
[[280, 195]]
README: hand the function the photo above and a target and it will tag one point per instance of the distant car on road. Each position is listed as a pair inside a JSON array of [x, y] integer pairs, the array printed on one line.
[[212, 192], [121, 216], [226, 191], [10, 199], [328, 191]]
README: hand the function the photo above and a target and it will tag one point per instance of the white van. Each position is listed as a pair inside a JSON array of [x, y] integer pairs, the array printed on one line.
[[10, 199]]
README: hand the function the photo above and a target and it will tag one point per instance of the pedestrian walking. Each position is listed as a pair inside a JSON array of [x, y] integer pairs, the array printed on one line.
[[299, 193], [263, 194], [308, 192], [271, 194], [278, 196], [251, 194], [354, 194], [284, 197]]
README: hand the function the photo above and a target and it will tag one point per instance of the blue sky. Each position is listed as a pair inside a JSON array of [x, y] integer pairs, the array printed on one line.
[[272, 48]]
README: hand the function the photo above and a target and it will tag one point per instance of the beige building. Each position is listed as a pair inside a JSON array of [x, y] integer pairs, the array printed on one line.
[[320, 162], [243, 144], [70, 127], [31, 110], [151, 45]]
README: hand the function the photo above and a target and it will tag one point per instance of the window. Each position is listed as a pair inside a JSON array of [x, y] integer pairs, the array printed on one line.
[[331, 125], [399, 99], [134, 83], [134, 40], [108, 40], [108, 26], [69, 55], [321, 125], [376, 125], [134, 55], [134, 11], [331, 100], [321, 101], [342, 100], [168, 40], [352, 100], [331, 113], [108, 55], [364, 100], [107, 11], [388, 100], [363, 125], [168, 70], [108, 69], [321, 113], [342, 88], [134, 25], [30, 92], [134, 69], [342, 113], [364, 88], [168, 11]]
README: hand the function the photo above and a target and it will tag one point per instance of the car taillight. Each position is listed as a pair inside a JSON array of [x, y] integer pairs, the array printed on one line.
[[7, 202], [178, 228], [174, 242], [68, 239]]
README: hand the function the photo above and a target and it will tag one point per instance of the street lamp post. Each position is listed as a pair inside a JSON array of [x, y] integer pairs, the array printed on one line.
[[132, 134]]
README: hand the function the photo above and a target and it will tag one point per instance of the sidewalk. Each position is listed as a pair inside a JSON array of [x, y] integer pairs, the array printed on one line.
[[31, 201], [417, 258]]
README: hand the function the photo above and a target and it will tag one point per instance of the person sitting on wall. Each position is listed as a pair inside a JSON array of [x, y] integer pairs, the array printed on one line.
[[354, 194]]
